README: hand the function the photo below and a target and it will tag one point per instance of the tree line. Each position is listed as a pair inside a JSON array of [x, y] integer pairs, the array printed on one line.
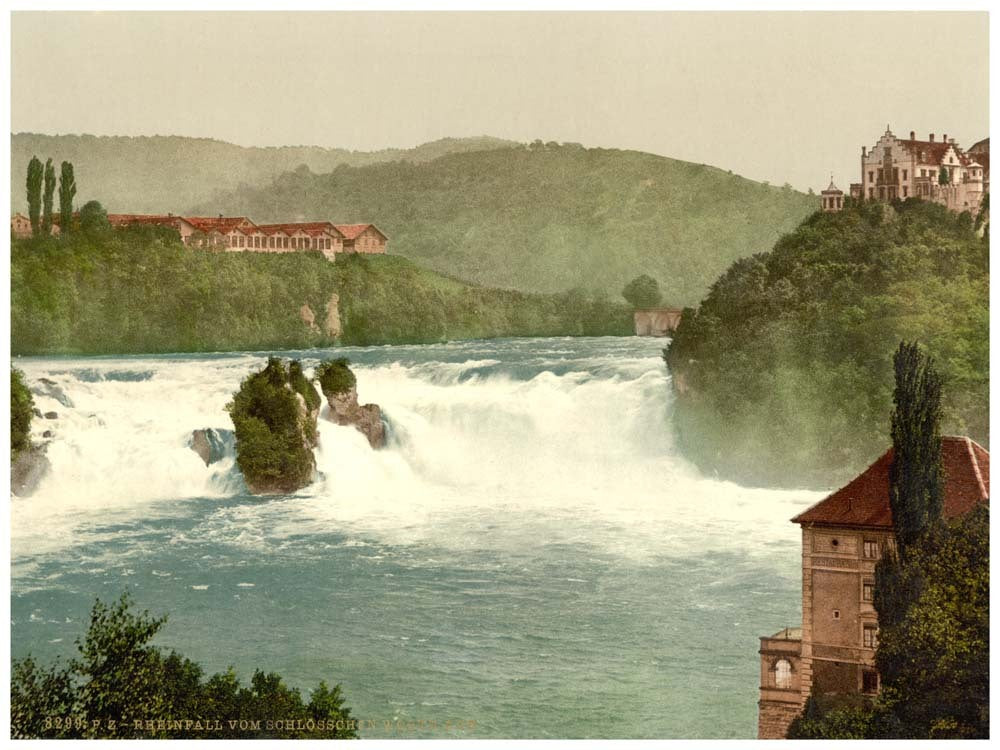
[[41, 187]]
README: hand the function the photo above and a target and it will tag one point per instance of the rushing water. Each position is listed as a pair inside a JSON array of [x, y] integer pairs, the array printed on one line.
[[528, 553]]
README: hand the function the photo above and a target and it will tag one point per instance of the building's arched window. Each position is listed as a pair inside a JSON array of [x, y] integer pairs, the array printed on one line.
[[782, 674]]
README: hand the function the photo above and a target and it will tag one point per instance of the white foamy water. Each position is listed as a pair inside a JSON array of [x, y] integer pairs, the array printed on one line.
[[472, 440]]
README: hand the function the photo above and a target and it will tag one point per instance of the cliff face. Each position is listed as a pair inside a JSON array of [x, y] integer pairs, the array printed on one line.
[[367, 418]]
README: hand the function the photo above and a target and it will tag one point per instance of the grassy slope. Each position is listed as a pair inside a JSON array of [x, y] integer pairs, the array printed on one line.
[[141, 290], [546, 219], [784, 373], [162, 174]]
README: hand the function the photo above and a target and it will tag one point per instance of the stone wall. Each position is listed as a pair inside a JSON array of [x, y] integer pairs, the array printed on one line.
[[657, 322], [774, 718]]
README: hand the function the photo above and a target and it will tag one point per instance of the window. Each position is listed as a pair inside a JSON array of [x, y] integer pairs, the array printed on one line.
[[870, 636], [906, 191], [881, 174], [871, 192], [905, 172], [782, 674], [869, 681], [871, 549], [868, 591], [871, 177], [836, 614]]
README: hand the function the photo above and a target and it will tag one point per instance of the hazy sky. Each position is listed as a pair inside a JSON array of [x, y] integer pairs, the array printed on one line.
[[773, 96]]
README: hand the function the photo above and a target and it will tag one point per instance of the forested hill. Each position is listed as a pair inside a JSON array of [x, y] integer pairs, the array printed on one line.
[[783, 375], [545, 218], [162, 174]]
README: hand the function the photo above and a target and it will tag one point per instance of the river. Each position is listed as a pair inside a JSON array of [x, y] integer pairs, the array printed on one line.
[[529, 553]]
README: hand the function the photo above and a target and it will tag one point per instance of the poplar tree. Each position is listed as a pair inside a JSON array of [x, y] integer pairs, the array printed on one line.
[[67, 191], [34, 185], [47, 198], [916, 489]]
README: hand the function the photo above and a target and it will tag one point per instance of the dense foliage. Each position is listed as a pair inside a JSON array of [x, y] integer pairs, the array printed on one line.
[[544, 218], [782, 374], [642, 291], [916, 487], [934, 659], [140, 290], [274, 438], [21, 404], [122, 687], [157, 174], [33, 193], [833, 717], [335, 376]]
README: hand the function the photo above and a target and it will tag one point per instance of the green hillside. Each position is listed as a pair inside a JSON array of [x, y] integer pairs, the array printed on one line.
[[783, 375], [140, 290], [545, 218], [162, 174]]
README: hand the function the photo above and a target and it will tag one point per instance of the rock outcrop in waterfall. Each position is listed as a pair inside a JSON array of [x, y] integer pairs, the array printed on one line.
[[339, 385]]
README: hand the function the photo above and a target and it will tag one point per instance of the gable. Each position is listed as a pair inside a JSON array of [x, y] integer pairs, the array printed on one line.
[[864, 501]]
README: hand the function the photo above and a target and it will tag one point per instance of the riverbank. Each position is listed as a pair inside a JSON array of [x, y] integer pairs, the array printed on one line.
[[141, 291]]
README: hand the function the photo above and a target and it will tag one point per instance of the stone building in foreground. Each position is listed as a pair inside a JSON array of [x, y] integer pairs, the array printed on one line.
[[843, 536]]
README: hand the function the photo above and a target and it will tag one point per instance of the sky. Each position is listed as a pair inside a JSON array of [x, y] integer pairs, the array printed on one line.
[[777, 97]]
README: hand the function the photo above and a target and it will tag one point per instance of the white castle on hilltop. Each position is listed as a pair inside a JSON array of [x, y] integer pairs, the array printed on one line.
[[934, 170]]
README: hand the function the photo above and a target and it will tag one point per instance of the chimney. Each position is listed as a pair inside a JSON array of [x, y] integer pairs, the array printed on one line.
[[220, 215], [944, 138], [864, 151], [913, 136], [931, 139]]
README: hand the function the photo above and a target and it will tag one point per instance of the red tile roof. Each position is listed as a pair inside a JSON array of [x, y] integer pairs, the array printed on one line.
[[117, 220], [221, 224], [933, 151], [311, 228], [864, 501], [353, 231]]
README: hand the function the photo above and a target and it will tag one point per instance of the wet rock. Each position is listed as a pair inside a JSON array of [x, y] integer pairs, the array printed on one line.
[[212, 444], [51, 415], [345, 410], [27, 470], [47, 387], [48, 434]]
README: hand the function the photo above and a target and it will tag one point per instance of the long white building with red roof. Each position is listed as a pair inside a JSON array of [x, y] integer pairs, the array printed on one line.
[[240, 234]]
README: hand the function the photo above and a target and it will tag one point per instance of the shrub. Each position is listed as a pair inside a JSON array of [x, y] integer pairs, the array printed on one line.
[[21, 404], [335, 376], [120, 681], [274, 439]]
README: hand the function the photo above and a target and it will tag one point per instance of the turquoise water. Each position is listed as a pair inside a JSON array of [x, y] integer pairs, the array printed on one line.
[[529, 553]]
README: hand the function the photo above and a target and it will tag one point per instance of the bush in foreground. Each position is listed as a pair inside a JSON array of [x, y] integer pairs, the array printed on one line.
[[121, 687]]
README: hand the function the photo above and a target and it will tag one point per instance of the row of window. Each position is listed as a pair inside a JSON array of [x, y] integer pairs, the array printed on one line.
[[895, 175], [294, 243]]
